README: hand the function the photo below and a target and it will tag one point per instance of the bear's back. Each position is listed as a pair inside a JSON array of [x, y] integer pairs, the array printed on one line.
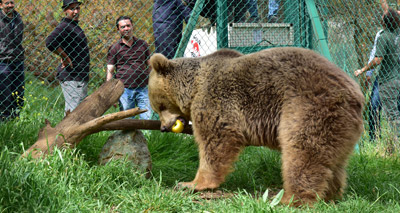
[[255, 88], [283, 71]]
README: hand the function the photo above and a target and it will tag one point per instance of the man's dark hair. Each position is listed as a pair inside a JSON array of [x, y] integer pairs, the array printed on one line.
[[391, 20], [122, 18]]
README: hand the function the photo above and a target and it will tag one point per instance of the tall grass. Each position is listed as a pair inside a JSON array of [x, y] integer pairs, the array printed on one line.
[[72, 181]]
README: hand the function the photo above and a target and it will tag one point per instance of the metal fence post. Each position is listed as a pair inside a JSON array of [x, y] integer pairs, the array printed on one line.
[[222, 24]]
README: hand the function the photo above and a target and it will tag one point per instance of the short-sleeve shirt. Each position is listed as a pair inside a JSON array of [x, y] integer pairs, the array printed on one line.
[[130, 62], [388, 47]]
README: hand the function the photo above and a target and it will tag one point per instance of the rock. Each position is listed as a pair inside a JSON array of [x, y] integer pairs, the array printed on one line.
[[130, 144]]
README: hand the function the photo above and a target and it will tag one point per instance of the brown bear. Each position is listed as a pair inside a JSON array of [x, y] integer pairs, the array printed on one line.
[[288, 99]]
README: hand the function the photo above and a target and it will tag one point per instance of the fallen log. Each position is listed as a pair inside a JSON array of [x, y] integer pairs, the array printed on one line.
[[87, 119]]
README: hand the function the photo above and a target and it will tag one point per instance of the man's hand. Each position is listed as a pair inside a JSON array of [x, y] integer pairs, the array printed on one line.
[[110, 71], [358, 72], [66, 62]]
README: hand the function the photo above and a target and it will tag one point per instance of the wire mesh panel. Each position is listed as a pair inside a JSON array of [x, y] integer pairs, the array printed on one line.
[[260, 34], [342, 30], [352, 32]]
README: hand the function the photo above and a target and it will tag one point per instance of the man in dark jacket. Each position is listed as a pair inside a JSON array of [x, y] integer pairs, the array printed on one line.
[[12, 77], [168, 16], [70, 43]]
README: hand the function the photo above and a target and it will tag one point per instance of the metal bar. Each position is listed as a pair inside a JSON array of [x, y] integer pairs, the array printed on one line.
[[222, 24], [318, 29]]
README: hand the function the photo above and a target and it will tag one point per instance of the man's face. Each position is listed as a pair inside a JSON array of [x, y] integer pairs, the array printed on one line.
[[125, 28], [8, 6], [72, 11]]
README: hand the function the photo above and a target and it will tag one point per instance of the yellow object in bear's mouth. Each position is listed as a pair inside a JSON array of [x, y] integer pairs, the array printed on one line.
[[178, 126]]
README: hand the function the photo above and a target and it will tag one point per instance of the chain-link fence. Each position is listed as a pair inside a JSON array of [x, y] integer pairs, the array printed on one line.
[[342, 30]]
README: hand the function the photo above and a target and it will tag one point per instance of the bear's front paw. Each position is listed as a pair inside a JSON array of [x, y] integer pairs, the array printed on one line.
[[195, 186]]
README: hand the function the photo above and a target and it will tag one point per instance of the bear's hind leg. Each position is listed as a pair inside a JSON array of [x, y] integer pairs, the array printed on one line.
[[306, 178], [338, 183], [216, 159], [316, 141]]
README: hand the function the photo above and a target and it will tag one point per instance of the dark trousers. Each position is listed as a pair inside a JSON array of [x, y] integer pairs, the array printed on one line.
[[168, 17], [12, 80], [239, 8]]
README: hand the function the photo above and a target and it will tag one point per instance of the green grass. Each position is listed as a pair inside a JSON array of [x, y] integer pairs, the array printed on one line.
[[72, 181]]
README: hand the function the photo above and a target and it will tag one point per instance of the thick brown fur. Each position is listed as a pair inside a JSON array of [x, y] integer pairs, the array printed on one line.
[[287, 99]]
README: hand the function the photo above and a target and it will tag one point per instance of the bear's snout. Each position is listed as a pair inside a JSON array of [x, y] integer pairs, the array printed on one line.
[[164, 129]]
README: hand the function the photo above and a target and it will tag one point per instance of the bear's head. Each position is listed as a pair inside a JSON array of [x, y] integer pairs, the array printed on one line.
[[162, 92], [174, 83]]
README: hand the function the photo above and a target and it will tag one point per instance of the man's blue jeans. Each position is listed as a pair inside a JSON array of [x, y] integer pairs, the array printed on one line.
[[12, 80], [138, 97], [374, 116]]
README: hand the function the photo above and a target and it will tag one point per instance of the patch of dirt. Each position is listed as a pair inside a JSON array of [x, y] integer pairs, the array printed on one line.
[[208, 196]]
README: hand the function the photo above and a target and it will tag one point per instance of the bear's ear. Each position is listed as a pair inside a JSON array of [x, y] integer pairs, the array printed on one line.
[[161, 64]]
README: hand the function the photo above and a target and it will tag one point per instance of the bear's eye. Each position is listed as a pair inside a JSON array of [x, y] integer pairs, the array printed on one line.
[[162, 107]]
